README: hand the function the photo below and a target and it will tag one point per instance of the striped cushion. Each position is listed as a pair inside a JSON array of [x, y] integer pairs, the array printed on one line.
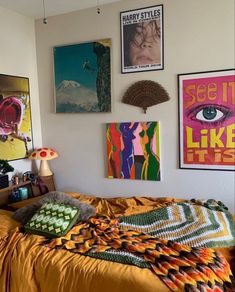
[[186, 223]]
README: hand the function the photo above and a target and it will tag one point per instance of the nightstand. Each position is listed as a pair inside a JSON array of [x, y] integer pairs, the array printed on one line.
[[34, 193]]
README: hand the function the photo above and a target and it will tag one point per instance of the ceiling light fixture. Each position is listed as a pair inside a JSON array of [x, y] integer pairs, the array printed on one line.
[[44, 12]]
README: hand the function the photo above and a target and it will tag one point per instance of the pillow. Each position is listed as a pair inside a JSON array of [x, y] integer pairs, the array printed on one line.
[[52, 220], [24, 214]]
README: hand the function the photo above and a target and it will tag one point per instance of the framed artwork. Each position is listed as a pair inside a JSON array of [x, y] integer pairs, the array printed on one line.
[[207, 120], [142, 39], [15, 118], [83, 77], [133, 150]]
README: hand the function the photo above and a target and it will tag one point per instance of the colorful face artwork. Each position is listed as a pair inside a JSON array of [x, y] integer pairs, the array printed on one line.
[[15, 118], [133, 150], [207, 120]]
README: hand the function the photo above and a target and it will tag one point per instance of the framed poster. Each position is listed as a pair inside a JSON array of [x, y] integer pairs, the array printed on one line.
[[15, 118], [207, 120], [83, 77], [142, 39], [133, 150]]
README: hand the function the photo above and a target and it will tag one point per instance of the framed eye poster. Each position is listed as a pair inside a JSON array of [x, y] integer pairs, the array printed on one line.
[[207, 120], [15, 118], [142, 39]]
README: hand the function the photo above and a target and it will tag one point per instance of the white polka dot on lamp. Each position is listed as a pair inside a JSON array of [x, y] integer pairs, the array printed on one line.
[[44, 154]]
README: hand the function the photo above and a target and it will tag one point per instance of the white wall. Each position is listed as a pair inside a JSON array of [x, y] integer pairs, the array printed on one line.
[[198, 36], [18, 57]]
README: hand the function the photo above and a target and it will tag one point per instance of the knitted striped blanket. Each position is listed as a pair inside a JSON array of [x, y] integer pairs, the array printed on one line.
[[191, 224], [180, 267]]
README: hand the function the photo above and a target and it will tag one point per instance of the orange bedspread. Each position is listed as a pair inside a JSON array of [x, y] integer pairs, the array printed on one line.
[[26, 266]]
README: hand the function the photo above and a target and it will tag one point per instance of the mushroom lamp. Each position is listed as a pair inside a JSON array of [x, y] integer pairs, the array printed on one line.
[[44, 154]]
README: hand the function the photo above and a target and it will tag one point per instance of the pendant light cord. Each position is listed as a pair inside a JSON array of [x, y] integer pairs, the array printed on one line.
[[98, 9], [44, 13]]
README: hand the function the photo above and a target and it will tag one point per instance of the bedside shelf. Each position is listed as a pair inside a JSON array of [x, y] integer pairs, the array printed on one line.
[[34, 192], [14, 186], [5, 193]]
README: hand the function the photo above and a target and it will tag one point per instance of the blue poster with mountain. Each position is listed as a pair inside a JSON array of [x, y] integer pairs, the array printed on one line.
[[83, 77]]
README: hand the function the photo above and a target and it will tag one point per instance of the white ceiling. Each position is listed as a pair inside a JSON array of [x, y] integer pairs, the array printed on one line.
[[34, 8]]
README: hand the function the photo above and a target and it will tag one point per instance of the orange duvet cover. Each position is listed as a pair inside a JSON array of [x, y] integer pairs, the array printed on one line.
[[26, 266]]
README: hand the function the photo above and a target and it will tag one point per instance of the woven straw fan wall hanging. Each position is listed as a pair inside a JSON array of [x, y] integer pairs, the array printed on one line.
[[145, 93]]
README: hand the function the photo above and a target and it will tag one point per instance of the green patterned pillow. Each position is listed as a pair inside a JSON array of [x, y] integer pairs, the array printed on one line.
[[52, 220]]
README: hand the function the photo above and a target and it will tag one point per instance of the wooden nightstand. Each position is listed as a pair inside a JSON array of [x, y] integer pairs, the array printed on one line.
[[34, 193]]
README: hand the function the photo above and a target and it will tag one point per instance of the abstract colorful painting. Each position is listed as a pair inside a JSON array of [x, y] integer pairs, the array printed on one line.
[[15, 118], [207, 120], [83, 77], [133, 150]]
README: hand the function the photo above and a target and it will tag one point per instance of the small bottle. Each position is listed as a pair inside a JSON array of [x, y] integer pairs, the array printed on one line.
[[15, 179]]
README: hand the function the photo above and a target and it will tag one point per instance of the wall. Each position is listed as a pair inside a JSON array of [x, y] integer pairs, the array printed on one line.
[[199, 36], [18, 57]]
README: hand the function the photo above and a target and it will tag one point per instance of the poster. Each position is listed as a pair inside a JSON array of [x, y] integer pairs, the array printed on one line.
[[133, 150], [207, 120], [142, 39], [15, 118], [83, 77]]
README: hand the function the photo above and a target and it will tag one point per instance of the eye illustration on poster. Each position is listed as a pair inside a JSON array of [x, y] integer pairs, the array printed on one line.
[[207, 120], [15, 118], [142, 39], [83, 77], [133, 150]]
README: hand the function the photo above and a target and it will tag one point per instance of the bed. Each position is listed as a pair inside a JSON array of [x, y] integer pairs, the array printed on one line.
[[27, 264]]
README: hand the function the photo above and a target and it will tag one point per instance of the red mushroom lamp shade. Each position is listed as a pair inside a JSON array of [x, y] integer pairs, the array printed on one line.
[[44, 154]]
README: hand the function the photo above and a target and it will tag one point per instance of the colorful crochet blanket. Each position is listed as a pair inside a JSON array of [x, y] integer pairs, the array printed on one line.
[[180, 267], [191, 224]]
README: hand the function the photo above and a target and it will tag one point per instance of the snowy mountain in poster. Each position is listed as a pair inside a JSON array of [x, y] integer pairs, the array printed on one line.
[[73, 97]]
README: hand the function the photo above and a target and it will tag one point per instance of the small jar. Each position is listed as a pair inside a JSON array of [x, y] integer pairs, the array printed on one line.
[[24, 193], [15, 196]]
